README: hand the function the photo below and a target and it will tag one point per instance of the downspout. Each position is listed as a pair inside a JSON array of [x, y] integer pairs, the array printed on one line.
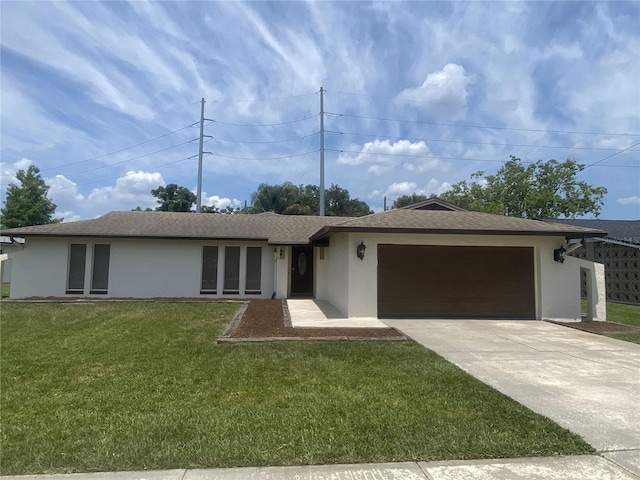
[[275, 273]]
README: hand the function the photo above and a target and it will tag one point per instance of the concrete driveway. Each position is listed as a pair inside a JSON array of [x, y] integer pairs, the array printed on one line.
[[587, 383]]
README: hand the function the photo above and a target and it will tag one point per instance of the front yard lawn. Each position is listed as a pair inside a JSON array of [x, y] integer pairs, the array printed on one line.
[[129, 386]]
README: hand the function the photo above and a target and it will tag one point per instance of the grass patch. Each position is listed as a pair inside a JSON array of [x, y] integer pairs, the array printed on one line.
[[623, 313], [129, 386]]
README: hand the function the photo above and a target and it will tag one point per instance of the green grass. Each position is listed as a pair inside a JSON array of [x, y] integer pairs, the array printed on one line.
[[128, 386], [627, 314], [623, 313]]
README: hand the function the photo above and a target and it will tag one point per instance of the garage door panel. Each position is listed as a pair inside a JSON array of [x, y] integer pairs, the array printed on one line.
[[455, 282]]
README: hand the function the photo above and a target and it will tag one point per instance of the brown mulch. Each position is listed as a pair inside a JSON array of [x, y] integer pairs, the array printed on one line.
[[265, 319], [601, 328]]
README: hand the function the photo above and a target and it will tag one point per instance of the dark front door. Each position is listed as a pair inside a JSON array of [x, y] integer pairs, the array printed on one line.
[[302, 272]]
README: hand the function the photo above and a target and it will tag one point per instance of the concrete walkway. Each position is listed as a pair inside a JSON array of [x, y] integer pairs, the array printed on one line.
[[589, 467], [321, 314], [589, 384]]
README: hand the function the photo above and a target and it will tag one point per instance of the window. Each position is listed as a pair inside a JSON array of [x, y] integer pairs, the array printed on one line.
[[77, 260], [100, 272], [254, 270], [231, 270], [209, 283]]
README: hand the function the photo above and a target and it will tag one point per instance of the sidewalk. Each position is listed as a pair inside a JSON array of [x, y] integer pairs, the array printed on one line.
[[614, 466]]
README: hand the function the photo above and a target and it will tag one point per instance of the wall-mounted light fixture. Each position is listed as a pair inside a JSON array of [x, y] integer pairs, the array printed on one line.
[[559, 254], [360, 250]]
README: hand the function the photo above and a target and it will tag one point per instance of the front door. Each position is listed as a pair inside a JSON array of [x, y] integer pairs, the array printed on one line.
[[302, 272]]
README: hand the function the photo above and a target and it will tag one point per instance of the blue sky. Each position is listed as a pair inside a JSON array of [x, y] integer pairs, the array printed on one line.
[[419, 95]]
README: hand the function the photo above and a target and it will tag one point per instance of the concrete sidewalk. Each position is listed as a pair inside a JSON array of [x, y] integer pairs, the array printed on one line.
[[619, 466]]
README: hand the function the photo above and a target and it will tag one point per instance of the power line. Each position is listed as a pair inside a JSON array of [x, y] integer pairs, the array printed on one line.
[[265, 158], [468, 142], [264, 124], [128, 174], [262, 100], [437, 157], [396, 99], [130, 159], [117, 151], [613, 155], [422, 122], [266, 141]]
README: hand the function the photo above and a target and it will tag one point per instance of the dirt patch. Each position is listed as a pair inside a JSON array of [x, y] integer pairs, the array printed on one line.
[[602, 328], [266, 320]]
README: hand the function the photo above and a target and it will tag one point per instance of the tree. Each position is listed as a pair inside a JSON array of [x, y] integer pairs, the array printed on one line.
[[338, 203], [27, 204], [405, 200], [289, 199], [228, 210], [539, 190], [284, 199], [173, 198]]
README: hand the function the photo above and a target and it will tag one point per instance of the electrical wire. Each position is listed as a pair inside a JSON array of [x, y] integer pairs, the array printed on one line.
[[422, 122], [264, 124], [385, 154], [267, 141], [468, 142], [396, 99], [130, 159], [613, 155], [116, 151]]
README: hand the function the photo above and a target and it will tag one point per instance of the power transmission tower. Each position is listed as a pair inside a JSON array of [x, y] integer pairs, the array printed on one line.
[[200, 152], [321, 152]]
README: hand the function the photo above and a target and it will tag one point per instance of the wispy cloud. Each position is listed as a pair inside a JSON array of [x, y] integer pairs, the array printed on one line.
[[86, 81]]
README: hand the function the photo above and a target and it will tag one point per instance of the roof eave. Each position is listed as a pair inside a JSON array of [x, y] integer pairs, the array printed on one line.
[[328, 231]]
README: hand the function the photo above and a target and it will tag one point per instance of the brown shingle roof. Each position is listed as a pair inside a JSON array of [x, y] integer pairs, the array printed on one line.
[[296, 229], [278, 229], [458, 222]]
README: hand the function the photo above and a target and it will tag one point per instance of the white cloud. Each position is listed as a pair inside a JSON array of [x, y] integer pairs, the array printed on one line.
[[131, 190], [220, 202], [386, 154], [398, 189], [445, 90], [8, 171], [635, 200]]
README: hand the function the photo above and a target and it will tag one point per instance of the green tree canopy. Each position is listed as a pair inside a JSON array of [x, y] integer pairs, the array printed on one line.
[[173, 198], [290, 199], [27, 204], [405, 200], [539, 190]]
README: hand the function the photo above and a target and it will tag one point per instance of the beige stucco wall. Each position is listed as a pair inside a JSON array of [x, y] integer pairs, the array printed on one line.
[[137, 268], [354, 282]]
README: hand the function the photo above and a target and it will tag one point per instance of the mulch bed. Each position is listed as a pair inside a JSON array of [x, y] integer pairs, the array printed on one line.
[[265, 320], [601, 328]]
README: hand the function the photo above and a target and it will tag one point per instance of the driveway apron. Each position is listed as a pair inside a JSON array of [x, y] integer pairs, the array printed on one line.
[[587, 383]]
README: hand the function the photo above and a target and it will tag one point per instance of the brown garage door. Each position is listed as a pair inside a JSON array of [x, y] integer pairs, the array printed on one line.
[[455, 282]]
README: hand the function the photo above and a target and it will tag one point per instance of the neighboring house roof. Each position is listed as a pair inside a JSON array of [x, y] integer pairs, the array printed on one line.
[[296, 229], [457, 222], [434, 203], [619, 231]]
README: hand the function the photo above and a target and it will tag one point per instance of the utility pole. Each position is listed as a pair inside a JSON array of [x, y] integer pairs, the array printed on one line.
[[200, 152], [321, 152], [199, 194]]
